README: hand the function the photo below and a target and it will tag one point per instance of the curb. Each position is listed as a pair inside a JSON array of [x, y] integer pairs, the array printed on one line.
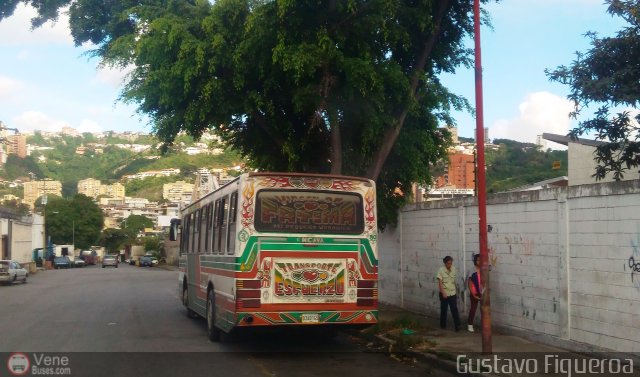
[[432, 358]]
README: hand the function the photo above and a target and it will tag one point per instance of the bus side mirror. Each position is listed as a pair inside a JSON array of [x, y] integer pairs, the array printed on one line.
[[173, 229]]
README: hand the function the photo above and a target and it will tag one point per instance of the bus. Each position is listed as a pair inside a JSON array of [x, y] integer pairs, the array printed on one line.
[[280, 249]]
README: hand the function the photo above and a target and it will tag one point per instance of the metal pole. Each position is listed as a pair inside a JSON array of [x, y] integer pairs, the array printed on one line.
[[43, 201], [485, 308]]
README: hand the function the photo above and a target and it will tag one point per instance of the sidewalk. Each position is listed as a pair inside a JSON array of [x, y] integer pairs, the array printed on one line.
[[419, 335]]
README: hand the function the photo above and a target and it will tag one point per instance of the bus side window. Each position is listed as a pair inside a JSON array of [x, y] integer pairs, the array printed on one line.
[[196, 226], [231, 234], [184, 236], [207, 248], [203, 230], [224, 221], [216, 220]]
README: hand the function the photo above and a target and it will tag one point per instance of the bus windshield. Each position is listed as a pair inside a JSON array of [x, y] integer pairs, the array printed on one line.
[[309, 212]]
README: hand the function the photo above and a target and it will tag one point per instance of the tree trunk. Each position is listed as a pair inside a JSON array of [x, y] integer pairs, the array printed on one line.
[[336, 144], [392, 133]]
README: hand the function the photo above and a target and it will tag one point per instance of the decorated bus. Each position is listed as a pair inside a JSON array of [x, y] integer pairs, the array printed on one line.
[[280, 249]]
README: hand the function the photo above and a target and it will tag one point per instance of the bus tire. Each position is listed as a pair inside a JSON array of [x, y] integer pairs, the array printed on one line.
[[213, 333], [185, 302]]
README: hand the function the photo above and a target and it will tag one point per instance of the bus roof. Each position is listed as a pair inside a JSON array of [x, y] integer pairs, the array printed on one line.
[[314, 175]]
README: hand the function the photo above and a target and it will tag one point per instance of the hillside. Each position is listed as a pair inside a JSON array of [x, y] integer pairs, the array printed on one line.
[[516, 164], [109, 159]]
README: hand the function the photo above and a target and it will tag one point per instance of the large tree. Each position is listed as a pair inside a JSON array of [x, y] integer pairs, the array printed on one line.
[[345, 87], [608, 77], [115, 239], [134, 224], [77, 219]]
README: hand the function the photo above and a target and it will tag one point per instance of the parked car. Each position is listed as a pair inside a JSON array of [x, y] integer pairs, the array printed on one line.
[[154, 261], [88, 257], [11, 271], [78, 262], [109, 260], [61, 262], [146, 261]]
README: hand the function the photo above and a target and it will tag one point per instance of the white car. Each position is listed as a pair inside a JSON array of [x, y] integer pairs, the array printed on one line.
[[78, 262], [11, 271]]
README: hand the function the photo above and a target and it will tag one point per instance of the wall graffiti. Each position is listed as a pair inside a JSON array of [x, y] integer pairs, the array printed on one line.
[[633, 264], [493, 257]]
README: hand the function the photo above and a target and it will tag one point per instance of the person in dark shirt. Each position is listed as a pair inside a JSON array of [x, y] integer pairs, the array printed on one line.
[[475, 292]]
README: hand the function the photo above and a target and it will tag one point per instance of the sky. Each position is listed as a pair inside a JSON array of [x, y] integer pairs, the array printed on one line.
[[47, 83]]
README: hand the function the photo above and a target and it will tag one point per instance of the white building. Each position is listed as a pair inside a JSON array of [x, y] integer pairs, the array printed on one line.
[[582, 165]]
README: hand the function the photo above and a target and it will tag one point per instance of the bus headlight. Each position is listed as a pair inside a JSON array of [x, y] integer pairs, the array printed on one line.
[[265, 295], [352, 294]]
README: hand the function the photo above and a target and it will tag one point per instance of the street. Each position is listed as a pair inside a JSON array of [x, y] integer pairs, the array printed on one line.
[[134, 314]]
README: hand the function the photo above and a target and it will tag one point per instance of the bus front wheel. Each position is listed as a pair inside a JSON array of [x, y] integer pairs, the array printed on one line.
[[185, 301], [212, 331]]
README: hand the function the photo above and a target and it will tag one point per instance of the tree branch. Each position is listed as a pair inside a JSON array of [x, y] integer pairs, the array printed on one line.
[[392, 133], [260, 121], [336, 143]]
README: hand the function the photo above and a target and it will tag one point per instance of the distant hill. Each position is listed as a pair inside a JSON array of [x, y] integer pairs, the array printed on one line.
[[109, 159], [513, 164], [516, 164]]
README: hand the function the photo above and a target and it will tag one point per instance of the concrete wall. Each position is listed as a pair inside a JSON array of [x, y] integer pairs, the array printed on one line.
[[21, 246], [582, 166], [19, 240], [37, 231], [563, 260]]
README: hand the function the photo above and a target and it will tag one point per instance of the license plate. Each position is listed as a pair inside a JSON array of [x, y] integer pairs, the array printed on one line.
[[310, 318]]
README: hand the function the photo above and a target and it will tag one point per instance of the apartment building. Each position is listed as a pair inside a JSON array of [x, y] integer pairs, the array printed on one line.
[[17, 145], [93, 188], [89, 187], [35, 189], [115, 190], [460, 172], [177, 192]]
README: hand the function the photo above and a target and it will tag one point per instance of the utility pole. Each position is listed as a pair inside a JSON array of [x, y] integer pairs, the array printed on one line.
[[485, 307]]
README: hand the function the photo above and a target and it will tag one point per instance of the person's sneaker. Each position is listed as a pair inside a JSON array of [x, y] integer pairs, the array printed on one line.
[[470, 328]]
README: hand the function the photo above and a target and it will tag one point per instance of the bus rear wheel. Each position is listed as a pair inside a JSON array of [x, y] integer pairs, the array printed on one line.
[[213, 333]]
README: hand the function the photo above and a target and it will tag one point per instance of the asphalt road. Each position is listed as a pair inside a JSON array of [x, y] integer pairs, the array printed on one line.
[[129, 322]]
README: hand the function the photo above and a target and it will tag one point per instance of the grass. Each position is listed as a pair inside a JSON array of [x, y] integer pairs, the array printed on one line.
[[407, 331]]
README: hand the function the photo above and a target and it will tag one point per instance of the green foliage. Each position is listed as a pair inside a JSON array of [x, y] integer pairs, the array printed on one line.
[[13, 206], [64, 165], [7, 189], [76, 219], [608, 76], [19, 168], [115, 239], [151, 243], [38, 139], [302, 86], [134, 224], [149, 188], [188, 164], [516, 164]]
